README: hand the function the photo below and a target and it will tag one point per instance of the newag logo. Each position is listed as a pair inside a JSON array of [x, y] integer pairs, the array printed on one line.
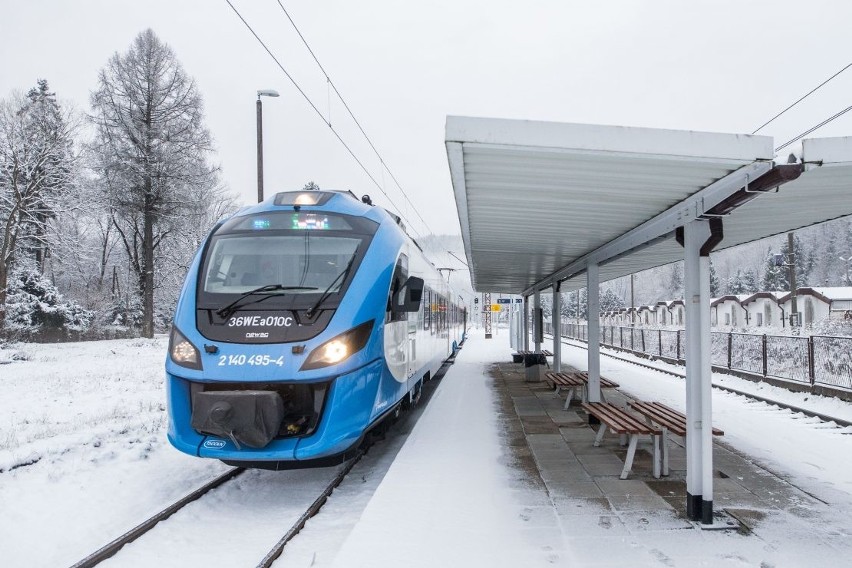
[[260, 321], [214, 444]]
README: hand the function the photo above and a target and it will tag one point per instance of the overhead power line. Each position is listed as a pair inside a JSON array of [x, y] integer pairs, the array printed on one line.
[[313, 106], [809, 130], [351, 114], [809, 93]]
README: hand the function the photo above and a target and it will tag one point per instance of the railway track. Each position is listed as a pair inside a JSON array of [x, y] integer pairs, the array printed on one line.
[[114, 547], [109, 550], [807, 412]]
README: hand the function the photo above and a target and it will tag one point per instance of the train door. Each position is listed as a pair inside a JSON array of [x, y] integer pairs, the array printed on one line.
[[397, 344], [413, 327]]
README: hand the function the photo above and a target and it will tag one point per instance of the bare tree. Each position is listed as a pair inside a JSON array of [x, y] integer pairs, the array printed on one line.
[[151, 150], [37, 168]]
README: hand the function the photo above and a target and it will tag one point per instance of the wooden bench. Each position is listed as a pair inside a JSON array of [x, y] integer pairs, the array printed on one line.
[[668, 419], [518, 357], [576, 381], [605, 384], [621, 422], [570, 381]]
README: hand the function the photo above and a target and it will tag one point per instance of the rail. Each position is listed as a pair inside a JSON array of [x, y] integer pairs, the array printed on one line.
[[814, 362]]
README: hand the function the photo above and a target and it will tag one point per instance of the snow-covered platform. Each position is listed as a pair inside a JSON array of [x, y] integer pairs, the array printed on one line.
[[497, 474]]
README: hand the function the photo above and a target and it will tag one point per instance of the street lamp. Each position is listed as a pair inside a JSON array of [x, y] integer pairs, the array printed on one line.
[[261, 93]]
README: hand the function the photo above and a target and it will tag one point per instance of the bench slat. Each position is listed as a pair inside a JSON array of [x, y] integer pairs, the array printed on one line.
[[618, 419], [672, 419]]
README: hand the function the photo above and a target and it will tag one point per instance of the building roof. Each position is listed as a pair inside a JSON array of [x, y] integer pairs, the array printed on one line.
[[774, 296], [538, 202]]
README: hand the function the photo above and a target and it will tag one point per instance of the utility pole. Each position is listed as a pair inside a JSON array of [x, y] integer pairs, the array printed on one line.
[[259, 107], [791, 266], [632, 303]]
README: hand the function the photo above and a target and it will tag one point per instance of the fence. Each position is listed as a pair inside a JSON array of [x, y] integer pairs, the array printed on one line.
[[816, 360]]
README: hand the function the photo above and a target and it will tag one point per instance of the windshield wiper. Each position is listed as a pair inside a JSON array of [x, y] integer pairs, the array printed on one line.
[[229, 310], [327, 292]]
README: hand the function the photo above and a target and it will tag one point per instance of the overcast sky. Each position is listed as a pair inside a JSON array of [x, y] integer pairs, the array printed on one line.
[[723, 66]]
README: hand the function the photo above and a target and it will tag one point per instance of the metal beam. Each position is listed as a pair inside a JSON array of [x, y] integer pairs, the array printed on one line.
[[556, 319], [699, 439], [662, 225], [593, 308]]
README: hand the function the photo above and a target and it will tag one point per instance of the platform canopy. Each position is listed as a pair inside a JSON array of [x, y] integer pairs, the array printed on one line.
[[539, 201]]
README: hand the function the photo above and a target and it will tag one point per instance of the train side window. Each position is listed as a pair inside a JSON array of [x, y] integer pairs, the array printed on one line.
[[400, 275], [427, 310]]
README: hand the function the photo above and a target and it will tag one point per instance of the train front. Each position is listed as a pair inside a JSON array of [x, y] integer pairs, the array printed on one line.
[[275, 351]]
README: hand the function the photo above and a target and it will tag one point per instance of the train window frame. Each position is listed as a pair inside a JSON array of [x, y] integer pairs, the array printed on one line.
[[398, 279], [360, 228]]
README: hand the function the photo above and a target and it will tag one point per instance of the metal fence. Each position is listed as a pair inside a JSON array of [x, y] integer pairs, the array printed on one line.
[[814, 360]]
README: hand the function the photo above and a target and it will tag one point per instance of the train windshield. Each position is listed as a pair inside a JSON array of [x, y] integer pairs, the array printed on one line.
[[293, 254]]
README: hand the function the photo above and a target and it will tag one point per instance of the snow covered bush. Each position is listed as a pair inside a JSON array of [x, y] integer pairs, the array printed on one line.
[[34, 304], [124, 312]]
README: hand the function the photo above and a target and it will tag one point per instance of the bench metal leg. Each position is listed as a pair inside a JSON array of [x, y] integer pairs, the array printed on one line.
[[656, 441], [568, 399], [631, 451], [601, 432]]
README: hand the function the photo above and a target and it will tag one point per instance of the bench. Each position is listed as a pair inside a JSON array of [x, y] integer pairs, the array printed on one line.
[[568, 381], [518, 357], [621, 422], [576, 380], [668, 419]]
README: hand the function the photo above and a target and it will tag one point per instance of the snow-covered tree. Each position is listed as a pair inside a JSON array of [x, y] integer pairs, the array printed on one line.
[[743, 282], [37, 168], [152, 151], [34, 304], [715, 284], [610, 301]]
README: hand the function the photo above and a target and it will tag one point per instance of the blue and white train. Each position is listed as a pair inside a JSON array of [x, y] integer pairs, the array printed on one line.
[[304, 322]]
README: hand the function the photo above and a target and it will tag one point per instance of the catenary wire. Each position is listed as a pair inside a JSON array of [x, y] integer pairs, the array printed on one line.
[[811, 129], [809, 93], [351, 114], [314, 107]]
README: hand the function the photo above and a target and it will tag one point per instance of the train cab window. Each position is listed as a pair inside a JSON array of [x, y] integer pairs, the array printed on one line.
[[400, 275]]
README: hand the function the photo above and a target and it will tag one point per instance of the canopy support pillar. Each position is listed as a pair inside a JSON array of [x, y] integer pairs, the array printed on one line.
[[698, 238], [526, 323], [594, 343], [556, 319], [537, 321]]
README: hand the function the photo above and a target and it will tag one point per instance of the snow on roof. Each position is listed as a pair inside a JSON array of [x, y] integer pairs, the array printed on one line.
[[836, 292]]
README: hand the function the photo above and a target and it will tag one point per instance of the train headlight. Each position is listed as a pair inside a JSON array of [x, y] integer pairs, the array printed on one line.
[[340, 348], [182, 351]]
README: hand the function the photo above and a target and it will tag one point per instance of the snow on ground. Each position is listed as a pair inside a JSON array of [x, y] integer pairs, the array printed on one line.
[[83, 453], [815, 455], [447, 499], [83, 457]]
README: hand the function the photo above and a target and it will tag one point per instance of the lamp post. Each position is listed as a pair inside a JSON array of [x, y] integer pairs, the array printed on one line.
[[261, 93]]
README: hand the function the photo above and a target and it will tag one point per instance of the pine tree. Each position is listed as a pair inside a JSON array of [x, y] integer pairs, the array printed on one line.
[[610, 301], [715, 286], [736, 283], [37, 168], [774, 276], [152, 151]]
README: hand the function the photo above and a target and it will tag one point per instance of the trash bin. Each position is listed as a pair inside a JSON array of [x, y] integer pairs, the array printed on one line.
[[517, 358], [535, 364]]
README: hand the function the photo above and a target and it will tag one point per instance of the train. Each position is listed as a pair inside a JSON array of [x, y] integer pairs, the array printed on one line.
[[304, 322]]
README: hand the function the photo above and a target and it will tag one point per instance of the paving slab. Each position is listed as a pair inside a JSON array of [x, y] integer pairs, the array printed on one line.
[[584, 499]]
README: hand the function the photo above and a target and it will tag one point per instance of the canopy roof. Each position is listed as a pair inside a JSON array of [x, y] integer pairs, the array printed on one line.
[[539, 201]]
